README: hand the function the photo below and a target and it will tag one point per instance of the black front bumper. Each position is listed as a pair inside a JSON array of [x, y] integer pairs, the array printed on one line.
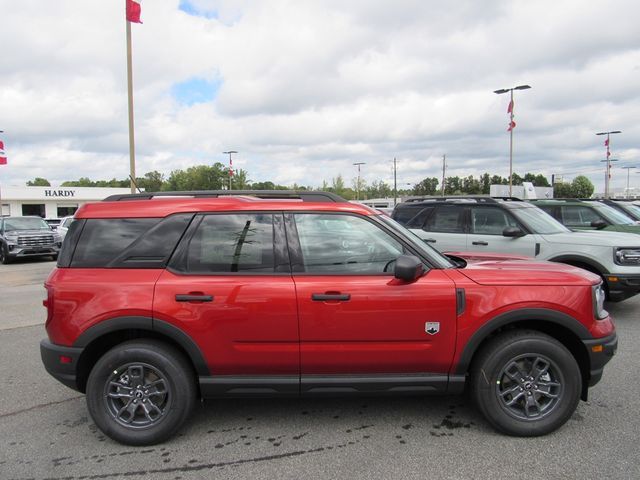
[[61, 362], [621, 287], [601, 356]]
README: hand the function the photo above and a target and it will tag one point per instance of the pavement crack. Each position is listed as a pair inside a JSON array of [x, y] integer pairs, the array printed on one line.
[[36, 407]]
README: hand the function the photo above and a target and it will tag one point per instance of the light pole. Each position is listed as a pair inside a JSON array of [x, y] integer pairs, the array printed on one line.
[[230, 167], [358, 185], [512, 125], [607, 175], [626, 195]]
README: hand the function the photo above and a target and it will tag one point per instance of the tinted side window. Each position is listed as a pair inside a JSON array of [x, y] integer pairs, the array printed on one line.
[[418, 220], [102, 240], [344, 244], [232, 243], [405, 212], [490, 221], [449, 219], [576, 216]]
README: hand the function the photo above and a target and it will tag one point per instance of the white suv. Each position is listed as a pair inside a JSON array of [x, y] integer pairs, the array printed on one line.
[[483, 224]]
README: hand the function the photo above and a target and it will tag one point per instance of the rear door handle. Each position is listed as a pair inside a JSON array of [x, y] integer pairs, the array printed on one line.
[[194, 298], [479, 242], [429, 240], [323, 297]]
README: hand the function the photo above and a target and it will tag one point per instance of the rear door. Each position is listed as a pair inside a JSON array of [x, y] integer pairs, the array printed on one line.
[[229, 288], [445, 228]]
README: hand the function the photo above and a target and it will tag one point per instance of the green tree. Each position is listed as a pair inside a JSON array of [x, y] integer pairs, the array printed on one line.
[[151, 182], [581, 187], [428, 186], [562, 190], [485, 184], [38, 182], [81, 182]]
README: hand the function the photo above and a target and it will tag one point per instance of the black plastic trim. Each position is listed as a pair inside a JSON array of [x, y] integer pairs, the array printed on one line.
[[65, 373], [193, 298], [461, 301], [305, 196], [329, 297], [249, 386], [587, 261], [146, 323], [597, 360], [513, 317], [419, 383]]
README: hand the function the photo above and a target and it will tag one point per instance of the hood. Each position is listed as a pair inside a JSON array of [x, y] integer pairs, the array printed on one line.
[[20, 233], [598, 238], [512, 270]]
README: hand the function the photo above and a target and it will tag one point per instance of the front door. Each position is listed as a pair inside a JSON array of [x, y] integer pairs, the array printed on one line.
[[356, 318]]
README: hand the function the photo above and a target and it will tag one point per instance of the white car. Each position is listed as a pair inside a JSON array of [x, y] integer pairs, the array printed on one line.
[[63, 227], [489, 225]]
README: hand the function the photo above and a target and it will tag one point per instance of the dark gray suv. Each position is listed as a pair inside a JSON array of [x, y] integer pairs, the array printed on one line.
[[27, 237]]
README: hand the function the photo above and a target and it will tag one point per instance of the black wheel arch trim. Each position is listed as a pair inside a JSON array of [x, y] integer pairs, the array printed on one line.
[[149, 324], [577, 259], [514, 317]]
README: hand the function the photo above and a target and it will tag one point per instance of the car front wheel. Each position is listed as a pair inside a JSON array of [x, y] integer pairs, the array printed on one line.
[[526, 383], [141, 392]]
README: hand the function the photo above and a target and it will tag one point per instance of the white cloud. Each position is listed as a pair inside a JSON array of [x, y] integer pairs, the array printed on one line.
[[310, 87]]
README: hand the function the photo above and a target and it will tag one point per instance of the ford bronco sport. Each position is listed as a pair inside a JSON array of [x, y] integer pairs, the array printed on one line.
[[160, 299], [511, 226]]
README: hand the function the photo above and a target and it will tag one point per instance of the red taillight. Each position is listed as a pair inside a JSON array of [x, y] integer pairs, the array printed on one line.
[[65, 359]]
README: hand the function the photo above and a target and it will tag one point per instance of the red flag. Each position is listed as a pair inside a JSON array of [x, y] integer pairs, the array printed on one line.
[[230, 167], [1, 145], [510, 107], [606, 142], [512, 125], [3, 160], [133, 11]]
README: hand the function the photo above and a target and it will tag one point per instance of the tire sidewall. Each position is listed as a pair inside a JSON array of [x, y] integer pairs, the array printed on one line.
[[490, 405], [180, 383]]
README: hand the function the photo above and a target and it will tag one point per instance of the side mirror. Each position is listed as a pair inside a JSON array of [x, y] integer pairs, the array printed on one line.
[[513, 232], [408, 268], [599, 224]]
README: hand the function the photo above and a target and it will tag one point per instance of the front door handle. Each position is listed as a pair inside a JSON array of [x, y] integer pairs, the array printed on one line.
[[479, 242], [191, 297], [324, 297], [429, 240]]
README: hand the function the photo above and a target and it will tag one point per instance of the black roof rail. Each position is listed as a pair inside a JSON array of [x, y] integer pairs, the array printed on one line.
[[461, 198], [305, 196]]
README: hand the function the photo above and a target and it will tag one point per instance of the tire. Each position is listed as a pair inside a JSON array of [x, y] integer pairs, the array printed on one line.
[[5, 258], [525, 383], [141, 392], [54, 257]]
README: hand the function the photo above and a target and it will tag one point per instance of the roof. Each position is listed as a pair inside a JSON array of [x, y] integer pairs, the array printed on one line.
[[167, 203]]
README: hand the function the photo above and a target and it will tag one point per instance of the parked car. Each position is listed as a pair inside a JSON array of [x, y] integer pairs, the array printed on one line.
[[483, 224], [156, 302], [53, 222], [588, 215], [628, 207], [63, 228], [22, 237]]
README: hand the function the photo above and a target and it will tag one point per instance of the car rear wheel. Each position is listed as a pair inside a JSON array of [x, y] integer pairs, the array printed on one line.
[[141, 392], [526, 383]]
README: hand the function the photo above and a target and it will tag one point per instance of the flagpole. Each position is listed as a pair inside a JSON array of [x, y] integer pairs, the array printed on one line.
[[511, 147], [132, 147]]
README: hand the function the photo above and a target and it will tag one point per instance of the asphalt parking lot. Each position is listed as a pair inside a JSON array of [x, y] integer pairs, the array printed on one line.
[[45, 431]]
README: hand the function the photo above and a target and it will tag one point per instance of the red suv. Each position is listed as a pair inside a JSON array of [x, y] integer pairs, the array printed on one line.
[[160, 299]]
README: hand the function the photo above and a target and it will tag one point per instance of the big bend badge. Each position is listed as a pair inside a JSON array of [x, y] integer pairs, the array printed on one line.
[[432, 327]]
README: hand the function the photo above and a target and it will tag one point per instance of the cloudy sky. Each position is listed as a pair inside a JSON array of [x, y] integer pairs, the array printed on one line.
[[305, 88]]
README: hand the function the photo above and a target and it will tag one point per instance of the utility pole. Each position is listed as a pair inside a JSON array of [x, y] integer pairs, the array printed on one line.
[[444, 170], [395, 182], [626, 195], [358, 185]]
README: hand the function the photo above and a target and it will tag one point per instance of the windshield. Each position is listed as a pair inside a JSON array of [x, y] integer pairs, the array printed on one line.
[[25, 223], [633, 209], [614, 216], [428, 251], [538, 221]]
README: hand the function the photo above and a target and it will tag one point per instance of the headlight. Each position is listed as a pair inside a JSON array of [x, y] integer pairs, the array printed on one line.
[[598, 302], [627, 256]]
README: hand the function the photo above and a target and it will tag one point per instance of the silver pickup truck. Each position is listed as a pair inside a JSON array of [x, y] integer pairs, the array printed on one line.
[[27, 237]]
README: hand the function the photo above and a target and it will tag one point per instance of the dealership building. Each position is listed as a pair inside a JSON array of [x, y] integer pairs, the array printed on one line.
[[51, 202]]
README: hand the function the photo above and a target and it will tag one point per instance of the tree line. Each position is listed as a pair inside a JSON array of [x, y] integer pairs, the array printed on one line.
[[216, 177]]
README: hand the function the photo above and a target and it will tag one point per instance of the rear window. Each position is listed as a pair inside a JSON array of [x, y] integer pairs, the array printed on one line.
[[127, 242], [404, 213]]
